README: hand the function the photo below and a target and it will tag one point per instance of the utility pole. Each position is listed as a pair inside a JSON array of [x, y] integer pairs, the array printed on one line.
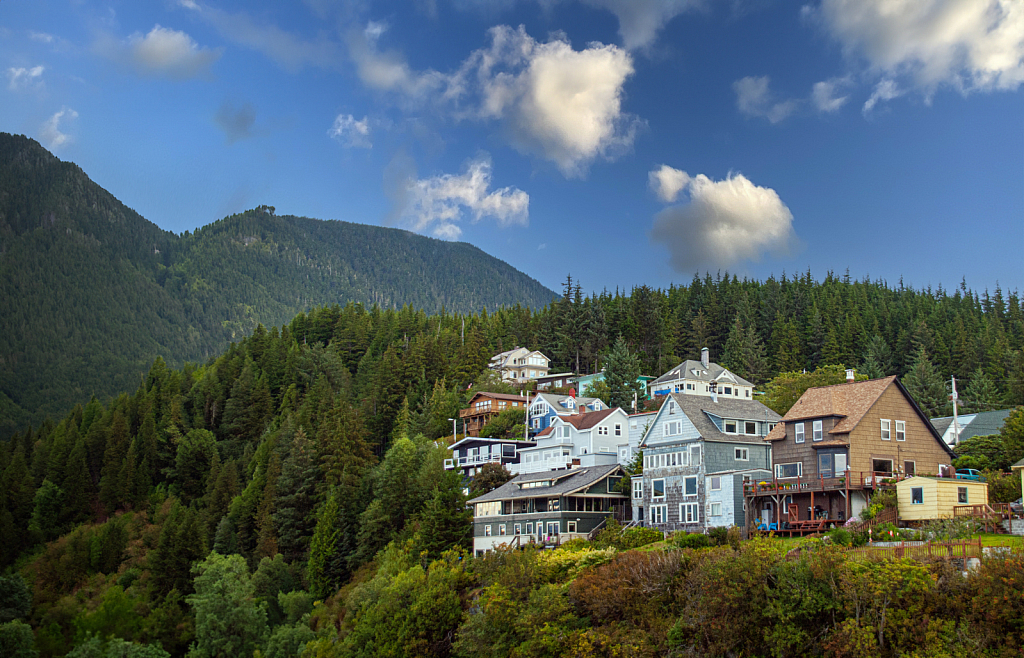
[[454, 430], [954, 397]]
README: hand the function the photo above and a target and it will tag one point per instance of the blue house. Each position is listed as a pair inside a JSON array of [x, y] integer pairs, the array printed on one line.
[[545, 407]]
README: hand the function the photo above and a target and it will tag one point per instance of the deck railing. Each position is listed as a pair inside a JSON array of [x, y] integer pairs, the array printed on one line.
[[921, 550], [851, 480]]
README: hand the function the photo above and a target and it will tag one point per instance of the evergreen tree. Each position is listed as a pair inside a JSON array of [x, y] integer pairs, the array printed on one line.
[[46, 515], [192, 464], [490, 477], [322, 569], [266, 539], [877, 361], [445, 522], [296, 499], [228, 620], [980, 394], [77, 487], [925, 385], [622, 376]]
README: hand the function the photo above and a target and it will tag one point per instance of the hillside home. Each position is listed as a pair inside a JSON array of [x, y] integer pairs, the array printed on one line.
[[838, 444], [555, 380], [520, 365], [471, 453], [970, 425], [484, 406], [545, 407], [698, 452], [923, 498], [701, 378], [583, 382], [584, 439], [548, 507]]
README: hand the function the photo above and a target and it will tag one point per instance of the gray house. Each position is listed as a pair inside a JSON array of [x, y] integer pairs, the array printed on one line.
[[548, 507], [698, 452]]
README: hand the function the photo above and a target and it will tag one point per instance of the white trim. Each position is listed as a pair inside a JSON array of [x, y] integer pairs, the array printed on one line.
[[901, 430], [798, 430], [886, 427]]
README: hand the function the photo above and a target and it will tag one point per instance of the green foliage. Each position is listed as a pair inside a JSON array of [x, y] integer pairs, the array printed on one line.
[[116, 648], [621, 374], [446, 522], [17, 640], [983, 453], [491, 476], [192, 464], [785, 389], [15, 598], [612, 535], [925, 384], [228, 620], [1012, 434], [1003, 487], [690, 540], [508, 424]]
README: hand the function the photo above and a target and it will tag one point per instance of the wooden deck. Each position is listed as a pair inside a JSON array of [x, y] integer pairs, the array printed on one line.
[[853, 481]]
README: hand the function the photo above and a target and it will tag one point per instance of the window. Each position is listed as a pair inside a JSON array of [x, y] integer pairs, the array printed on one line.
[[518, 528], [882, 467], [671, 408], [714, 509], [695, 456], [799, 432], [917, 495], [536, 423], [742, 454], [901, 430], [728, 390], [659, 513], [553, 528], [638, 489], [690, 486], [885, 430], [529, 528], [716, 484], [487, 531], [793, 470], [749, 428], [816, 429], [632, 425], [961, 494], [602, 431], [618, 429], [501, 530], [730, 427], [674, 427], [571, 526], [657, 489], [747, 391], [613, 483], [688, 513], [909, 468]]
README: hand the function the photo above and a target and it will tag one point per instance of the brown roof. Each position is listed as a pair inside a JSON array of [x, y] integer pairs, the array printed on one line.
[[831, 443], [545, 431], [587, 420], [778, 433], [499, 396]]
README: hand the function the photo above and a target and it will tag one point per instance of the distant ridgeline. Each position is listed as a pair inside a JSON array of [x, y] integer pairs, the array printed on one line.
[[92, 292]]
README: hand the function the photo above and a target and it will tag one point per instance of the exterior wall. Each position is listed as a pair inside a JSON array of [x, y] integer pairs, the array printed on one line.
[[674, 477], [789, 451], [725, 497], [939, 497], [920, 446], [737, 392], [721, 457]]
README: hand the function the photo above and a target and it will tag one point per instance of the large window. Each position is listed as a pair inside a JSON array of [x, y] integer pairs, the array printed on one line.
[[882, 466], [917, 495], [730, 427], [688, 512], [714, 509], [793, 470], [816, 429], [659, 513], [673, 427], [742, 454], [961, 495], [885, 430], [690, 486], [901, 430], [657, 489], [799, 428]]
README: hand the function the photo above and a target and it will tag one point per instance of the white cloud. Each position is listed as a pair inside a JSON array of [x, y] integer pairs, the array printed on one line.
[[163, 52], [725, 222], [970, 45], [387, 70], [825, 94], [667, 182], [237, 124], [351, 132], [50, 132], [754, 99], [641, 20], [437, 204], [20, 78], [885, 90]]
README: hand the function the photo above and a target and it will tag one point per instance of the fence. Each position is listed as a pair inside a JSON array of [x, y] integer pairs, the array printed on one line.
[[920, 550]]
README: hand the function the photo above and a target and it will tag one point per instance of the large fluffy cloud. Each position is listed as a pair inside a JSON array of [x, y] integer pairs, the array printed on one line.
[[162, 52], [554, 102], [50, 132], [439, 203], [967, 44], [724, 223]]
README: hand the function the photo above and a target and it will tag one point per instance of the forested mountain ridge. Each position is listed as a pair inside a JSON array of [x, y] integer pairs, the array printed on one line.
[[92, 291]]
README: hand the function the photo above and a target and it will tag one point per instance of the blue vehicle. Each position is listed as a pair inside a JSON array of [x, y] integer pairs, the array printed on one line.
[[969, 474]]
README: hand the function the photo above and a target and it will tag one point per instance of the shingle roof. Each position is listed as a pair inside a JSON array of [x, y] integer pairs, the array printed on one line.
[[499, 396], [566, 482], [1019, 464], [697, 408], [982, 423], [556, 402], [712, 373], [587, 420]]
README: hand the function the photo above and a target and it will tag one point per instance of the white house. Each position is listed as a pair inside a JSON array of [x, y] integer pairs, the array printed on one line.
[[585, 439], [544, 407], [520, 364], [702, 378]]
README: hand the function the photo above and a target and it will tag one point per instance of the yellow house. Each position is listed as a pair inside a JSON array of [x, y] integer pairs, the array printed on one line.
[[925, 498], [1019, 466]]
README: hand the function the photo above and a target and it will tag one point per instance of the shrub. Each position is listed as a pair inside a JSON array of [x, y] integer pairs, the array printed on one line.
[[718, 536], [949, 529], [841, 537], [612, 535], [690, 540]]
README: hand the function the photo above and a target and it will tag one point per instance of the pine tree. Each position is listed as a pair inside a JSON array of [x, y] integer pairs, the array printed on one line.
[[925, 385], [114, 490], [445, 522], [296, 498], [980, 394], [192, 464], [266, 539], [622, 376], [77, 486], [46, 514], [322, 568]]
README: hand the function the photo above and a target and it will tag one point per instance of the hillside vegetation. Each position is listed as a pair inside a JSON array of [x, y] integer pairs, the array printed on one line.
[[92, 292]]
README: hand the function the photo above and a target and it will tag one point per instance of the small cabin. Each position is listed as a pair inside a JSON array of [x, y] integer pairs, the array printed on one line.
[[924, 498]]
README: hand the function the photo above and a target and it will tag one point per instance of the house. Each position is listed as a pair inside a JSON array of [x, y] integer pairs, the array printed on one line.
[[970, 425], [545, 407], [484, 406], [583, 439], [520, 365], [548, 507], [557, 380], [583, 382], [471, 453], [698, 451], [638, 424], [924, 498], [701, 378], [840, 443]]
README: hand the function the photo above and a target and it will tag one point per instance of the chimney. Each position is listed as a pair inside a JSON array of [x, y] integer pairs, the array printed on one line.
[[850, 375], [705, 357]]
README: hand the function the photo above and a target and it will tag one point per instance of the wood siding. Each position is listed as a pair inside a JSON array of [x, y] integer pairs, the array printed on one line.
[[938, 499]]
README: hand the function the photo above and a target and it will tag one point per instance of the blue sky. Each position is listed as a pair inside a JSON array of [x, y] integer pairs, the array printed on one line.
[[622, 141]]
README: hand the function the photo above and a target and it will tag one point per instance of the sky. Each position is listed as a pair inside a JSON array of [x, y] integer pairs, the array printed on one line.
[[622, 142]]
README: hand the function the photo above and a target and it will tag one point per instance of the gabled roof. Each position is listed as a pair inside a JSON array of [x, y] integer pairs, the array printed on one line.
[[589, 419], [700, 408], [556, 402], [499, 396], [976, 424], [848, 402], [1019, 464], [695, 370], [564, 482]]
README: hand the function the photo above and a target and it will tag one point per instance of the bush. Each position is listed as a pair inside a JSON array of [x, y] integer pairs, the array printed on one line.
[[690, 540], [949, 529], [718, 536], [612, 535], [841, 537]]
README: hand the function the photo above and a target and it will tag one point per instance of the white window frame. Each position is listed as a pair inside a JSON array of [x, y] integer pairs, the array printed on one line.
[[696, 487], [618, 429], [716, 483], [734, 426], [501, 530], [638, 489], [570, 527], [689, 512], [916, 502], [714, 509], [602, 431], [901, 430], [487, 531], [518, 528], [799, 470], [694, 451], [742, 454], [798, 430], [659, 514], [817, 434], [747, 425], [654, 489], [529, 528], [886, 426], [967, 495]]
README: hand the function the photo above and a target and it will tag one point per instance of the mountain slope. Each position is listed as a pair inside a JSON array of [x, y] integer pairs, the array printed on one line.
[[92, 292]]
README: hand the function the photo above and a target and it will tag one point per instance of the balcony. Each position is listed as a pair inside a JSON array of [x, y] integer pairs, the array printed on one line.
[[475, 460], [540, 466], [804, 484]]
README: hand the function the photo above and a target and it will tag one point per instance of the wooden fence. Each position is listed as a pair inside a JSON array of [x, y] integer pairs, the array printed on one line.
[[920, 550]]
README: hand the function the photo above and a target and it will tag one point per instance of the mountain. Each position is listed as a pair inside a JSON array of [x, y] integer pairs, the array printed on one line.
[[92, 291]]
